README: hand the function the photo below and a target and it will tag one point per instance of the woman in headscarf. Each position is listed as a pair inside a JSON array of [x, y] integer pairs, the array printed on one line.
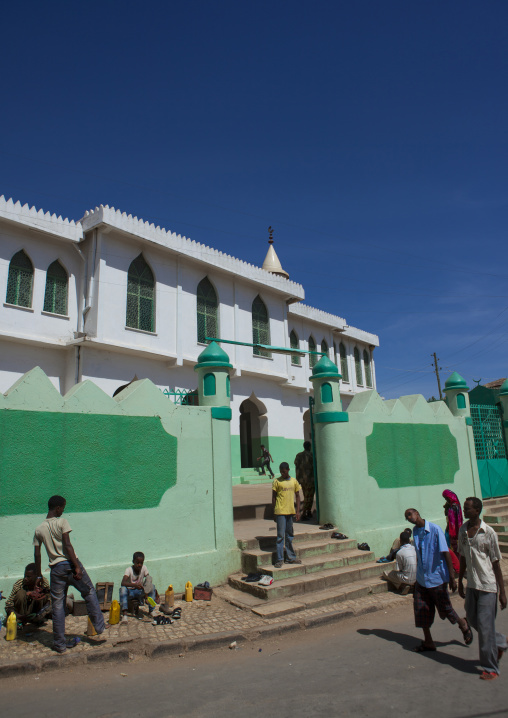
[[454, 520]]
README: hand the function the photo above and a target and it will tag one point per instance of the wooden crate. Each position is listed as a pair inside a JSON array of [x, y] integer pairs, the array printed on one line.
[[203, 594], [104, 591]]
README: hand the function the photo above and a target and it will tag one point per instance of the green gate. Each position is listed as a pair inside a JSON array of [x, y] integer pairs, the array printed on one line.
[[490, 449]]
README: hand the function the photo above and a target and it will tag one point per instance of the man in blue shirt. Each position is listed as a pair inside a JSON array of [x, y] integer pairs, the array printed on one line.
[[434, 571]]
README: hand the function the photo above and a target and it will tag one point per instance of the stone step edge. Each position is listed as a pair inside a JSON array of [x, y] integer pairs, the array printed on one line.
[[341, 544], [297, 538], [366, 556]]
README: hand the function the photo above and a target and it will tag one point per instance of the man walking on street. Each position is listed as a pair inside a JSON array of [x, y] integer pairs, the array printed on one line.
[[479, 552], [304, 465], [66, 570], [433, 572]]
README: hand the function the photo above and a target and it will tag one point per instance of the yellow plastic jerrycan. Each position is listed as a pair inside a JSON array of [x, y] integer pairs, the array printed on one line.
[[12, 627], [114, 613], [169, 597], [188, 591]]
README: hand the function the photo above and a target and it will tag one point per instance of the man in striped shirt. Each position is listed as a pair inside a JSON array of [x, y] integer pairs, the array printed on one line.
[[405, 575], [29, 597]]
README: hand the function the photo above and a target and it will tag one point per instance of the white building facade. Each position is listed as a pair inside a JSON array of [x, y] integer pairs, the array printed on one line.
[[112, 297]]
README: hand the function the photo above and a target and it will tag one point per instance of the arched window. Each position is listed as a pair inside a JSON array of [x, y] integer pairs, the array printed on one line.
[[313, 358], [55, 296], [358, 367], [294, 344], [326, 393], [20, 281], [324, 347], [366, 363], [260, 327], [343, 362], [207, 310], [209, 385], [461, 401], [140, 296]]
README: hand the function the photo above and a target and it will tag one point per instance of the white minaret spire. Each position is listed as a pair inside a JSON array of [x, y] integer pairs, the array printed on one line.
[[272, 263]]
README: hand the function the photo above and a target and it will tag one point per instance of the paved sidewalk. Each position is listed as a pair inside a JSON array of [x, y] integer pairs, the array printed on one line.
[[203, 624]]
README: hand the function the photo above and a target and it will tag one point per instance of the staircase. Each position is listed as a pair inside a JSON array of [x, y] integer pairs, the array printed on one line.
[[254, 476], [495, 513], [331, 571]]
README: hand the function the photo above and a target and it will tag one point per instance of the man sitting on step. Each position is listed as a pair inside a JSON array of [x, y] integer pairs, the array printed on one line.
[[405, 575]]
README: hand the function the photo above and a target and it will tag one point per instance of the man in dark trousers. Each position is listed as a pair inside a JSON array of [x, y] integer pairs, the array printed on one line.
[[434, 571], [66, 570], [479, 552], [304, 465]]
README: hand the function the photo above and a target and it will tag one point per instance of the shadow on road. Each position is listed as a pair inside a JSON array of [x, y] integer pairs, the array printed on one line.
[[408, 644]]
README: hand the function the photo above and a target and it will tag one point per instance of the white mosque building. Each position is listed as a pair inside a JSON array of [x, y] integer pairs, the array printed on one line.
[[111, 297]]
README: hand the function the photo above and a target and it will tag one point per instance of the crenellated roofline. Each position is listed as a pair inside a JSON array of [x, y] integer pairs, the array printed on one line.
[[40, 220]]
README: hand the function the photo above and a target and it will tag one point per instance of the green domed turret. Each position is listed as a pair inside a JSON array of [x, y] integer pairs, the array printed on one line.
[[455, 381], [213, 355], [503, 391], [325, 368]]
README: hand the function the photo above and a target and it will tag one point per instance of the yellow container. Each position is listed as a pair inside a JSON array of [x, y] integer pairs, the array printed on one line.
[[90, 630], [169, 597], [188, 591], [12, 627], [114, 613]]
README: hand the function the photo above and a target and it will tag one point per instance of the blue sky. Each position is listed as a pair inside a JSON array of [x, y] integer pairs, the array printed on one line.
[[373, 136]]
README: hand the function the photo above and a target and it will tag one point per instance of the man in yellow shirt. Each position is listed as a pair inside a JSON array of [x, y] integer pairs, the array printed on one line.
[[285, 490]]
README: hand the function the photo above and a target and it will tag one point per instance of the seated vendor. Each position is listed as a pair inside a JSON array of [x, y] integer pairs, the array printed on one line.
[[30, 598], [137, 586], [395, 547], [405, 575]]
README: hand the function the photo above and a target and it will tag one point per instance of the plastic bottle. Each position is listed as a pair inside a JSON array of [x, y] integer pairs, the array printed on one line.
[[12, 627], [114, 613], [188, 591], [90, 630], [169, 597]]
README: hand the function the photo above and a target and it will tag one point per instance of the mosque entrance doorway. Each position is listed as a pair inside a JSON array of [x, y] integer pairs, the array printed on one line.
[[253, 425]]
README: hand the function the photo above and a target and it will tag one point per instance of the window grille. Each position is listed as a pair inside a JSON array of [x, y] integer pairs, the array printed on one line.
[[488, 432], [140, 296], [324, 347], [368, 372], [55, 296], [260, 327], [358, 368], [207, 305], [312, 357], [343, 362], [20, 281], [294, 344]]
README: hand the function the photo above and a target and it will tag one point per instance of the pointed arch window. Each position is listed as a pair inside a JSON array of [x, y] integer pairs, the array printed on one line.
[[343, 362], [140, 296], [207, 310], [358, 367], [313, 359], [20, 280], [260, 327], [55, 296], [294, 344], [324, 347], [366, 364]]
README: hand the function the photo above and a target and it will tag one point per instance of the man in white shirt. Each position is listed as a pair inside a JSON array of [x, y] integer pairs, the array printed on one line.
[[479, 553], [405, 575]]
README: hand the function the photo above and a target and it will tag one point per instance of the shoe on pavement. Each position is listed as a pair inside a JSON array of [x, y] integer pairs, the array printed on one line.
[[265, 580], [279, 564], [293, 560], [488, 676]]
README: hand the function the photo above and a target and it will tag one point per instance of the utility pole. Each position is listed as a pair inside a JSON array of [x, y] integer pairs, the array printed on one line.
[[436, 368]]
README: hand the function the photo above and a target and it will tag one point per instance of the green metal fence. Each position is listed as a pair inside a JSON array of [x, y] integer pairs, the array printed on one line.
[[185, 397]]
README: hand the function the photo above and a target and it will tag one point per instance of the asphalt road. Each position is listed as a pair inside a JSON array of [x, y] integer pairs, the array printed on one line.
[[364, 668]]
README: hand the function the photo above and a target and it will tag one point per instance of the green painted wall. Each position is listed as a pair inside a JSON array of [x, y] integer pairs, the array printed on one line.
[[390, 456], [184, 527], [402, 455], [98, 462]]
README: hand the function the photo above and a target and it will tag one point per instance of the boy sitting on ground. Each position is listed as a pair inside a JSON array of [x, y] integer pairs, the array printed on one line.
[[137, 585], [285, 489], [405, 575], [29, 598]]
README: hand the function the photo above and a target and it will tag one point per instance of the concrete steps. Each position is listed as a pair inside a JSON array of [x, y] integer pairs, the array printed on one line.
[[253, 476], [331, 571], [495, 513]]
